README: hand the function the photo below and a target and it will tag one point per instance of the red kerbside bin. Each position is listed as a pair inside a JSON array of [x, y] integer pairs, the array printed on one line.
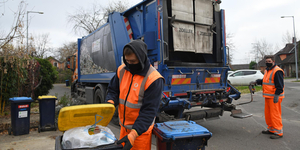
[[20, 115], [179, 135], [47, 113]]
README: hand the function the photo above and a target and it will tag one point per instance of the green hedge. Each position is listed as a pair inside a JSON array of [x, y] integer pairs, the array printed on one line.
[[64, 75], [48, 74]]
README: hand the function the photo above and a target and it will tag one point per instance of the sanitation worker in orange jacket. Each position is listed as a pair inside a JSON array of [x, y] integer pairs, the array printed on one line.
[[137, 89], [273, 91]]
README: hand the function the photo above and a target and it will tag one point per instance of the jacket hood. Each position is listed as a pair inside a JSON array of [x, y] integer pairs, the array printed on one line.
[[140, 50]]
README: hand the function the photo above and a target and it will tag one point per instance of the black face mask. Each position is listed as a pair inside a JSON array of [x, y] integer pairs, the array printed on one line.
[[134, 68], [269, 65]]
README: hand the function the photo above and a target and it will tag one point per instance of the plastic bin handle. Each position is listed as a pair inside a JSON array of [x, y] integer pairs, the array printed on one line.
[[94, 125], [168, 126]]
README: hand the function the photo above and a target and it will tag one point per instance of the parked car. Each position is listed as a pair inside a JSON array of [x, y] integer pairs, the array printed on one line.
[[244, 77], [229, 72]]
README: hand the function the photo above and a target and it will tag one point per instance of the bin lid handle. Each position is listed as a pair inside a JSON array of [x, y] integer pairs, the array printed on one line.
[[94, 125]]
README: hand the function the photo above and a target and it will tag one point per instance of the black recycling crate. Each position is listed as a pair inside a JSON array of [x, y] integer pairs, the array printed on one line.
[[114, 146], [179, 135], [47, 113], [20, 115], [82, 115]]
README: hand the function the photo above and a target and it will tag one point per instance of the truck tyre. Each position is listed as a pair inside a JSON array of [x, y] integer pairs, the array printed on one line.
[[99, 96], [74, 93]]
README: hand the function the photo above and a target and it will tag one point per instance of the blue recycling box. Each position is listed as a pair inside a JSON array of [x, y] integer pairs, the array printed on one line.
[[179, 135], [20, 115]]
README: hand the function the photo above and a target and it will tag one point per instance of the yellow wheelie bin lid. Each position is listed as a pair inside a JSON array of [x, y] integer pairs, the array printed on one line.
[[47, 97], [83, 115]]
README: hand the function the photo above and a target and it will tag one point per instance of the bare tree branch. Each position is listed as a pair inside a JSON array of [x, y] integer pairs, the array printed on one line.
[[88, 20], [39, 45], [287, 38], [66, 50], [16, 30], [231, 46], [262, 48]]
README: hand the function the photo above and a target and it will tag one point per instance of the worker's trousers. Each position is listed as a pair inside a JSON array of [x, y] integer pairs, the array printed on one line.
[[273, 116], [142, 142]]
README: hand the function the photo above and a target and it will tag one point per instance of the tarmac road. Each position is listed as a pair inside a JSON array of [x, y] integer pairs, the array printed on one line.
[[228, 133], [235, 134]]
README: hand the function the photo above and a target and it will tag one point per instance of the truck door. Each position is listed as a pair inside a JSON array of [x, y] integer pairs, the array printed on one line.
[[190, 37], [194, 31]]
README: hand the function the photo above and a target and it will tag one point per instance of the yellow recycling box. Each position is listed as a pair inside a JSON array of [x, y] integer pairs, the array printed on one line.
[[83, 115]]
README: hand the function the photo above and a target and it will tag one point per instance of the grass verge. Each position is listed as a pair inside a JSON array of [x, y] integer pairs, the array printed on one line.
[[245, 89]]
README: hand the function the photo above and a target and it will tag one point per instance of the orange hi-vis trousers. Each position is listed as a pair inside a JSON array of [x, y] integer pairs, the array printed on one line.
[[142, 142], [273, 116]]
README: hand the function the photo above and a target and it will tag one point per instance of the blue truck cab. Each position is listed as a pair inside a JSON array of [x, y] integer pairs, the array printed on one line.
[[186, 44]]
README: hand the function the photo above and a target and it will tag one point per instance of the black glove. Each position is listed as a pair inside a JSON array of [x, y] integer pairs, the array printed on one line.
[[275, 99], [127, 145]]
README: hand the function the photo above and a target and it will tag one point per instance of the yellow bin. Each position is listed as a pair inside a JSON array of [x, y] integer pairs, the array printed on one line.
[[83, 115]]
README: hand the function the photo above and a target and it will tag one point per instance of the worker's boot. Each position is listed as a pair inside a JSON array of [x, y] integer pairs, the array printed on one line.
[[276, 136], [266, 132]]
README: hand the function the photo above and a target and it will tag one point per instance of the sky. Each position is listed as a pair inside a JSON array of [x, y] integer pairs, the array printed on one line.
[[247, 21]]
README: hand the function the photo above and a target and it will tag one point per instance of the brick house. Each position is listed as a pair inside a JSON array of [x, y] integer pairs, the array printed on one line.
[[57, 63], [285, 59], [239, 66]]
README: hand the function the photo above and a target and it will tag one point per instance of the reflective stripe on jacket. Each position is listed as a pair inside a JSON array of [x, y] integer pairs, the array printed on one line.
[[132, 88], [268, 83]]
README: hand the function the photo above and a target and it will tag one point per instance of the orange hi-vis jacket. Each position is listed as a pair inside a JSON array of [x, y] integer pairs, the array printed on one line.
[[132, 88], [268, 83]]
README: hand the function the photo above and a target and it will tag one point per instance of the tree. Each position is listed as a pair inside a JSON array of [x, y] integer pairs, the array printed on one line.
[[230, 46], [261, 49], [48, 74], [287, 38], [39, 45], [85, 21], [66, 50], [252, 65], [16, 30]]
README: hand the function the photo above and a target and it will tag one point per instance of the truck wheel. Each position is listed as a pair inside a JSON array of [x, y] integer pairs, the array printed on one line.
[[74, 93], [99, 96]]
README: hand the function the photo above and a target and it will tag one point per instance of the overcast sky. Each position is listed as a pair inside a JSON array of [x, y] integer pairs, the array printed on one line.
[[248, 21]]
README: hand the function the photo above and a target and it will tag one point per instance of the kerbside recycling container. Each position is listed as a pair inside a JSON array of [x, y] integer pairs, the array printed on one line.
[[67, 82], [179, 135], [47, 113], [83, 115], [20, 115]]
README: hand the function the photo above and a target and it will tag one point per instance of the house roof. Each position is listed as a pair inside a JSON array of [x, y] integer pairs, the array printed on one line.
[[55, 59], [288, 50], [239, 66]]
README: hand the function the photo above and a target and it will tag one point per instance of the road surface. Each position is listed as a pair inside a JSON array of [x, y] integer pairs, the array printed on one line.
[[228, 133]]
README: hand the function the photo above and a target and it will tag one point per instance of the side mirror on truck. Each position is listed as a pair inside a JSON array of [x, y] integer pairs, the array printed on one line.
[[71, 62]]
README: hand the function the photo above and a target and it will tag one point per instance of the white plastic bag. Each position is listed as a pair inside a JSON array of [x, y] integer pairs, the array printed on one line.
[[80, 138]]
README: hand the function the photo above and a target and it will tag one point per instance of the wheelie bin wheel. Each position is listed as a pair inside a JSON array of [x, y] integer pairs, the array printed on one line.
[[55, 127], [9, 131], [39, 129]]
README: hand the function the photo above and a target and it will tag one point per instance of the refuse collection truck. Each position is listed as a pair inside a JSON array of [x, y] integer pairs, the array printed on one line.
[[186, 44]]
